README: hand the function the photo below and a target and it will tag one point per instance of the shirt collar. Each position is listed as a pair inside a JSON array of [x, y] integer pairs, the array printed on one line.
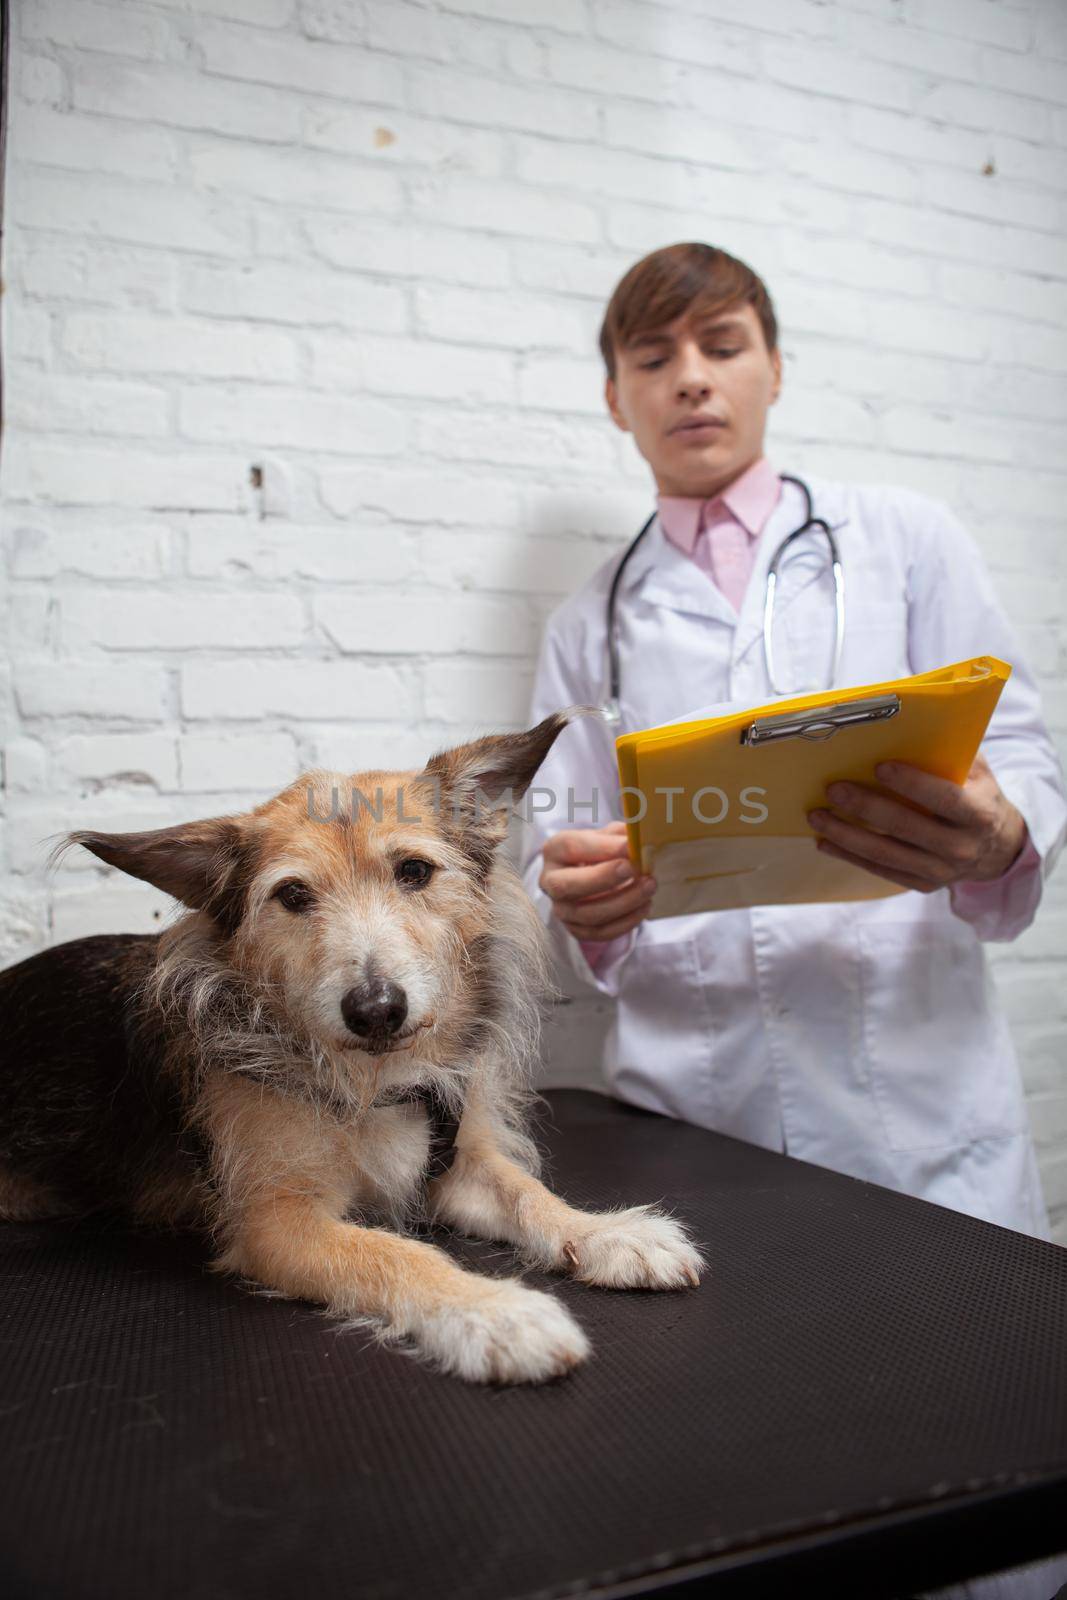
[[750, 498]]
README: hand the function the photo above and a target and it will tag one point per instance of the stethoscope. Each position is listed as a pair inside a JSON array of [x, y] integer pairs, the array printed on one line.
[[610, 709]]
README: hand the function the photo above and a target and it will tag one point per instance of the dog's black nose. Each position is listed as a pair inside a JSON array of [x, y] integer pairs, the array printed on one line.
[[376, 1008]]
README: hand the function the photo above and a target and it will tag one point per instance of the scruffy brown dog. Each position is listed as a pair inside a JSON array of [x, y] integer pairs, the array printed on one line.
[[355, 954]]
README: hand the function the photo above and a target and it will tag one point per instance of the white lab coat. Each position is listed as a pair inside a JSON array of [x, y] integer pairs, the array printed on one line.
[[863, 1036]]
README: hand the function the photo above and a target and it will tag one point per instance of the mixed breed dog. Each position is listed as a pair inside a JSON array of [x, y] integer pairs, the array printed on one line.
[[339, 1030]]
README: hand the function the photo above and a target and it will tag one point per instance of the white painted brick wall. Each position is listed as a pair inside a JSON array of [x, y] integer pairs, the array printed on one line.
[[365, 248]]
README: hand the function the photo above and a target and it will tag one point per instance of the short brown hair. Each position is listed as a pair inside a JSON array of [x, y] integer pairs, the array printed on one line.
[[678, 278]]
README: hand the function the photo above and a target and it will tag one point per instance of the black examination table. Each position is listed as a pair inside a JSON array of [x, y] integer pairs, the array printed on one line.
[[867, 1396]]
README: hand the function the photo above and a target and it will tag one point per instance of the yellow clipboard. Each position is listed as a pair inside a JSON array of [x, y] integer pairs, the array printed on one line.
[[717, 809]]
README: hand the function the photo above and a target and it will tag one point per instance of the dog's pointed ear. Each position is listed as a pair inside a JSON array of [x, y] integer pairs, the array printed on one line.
[[476, 783], [203, 864]]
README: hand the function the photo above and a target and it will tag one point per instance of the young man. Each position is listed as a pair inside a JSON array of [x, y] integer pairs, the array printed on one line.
[[864, 1036]]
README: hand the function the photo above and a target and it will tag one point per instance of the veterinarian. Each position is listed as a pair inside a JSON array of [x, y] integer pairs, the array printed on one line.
[[863, 1036]]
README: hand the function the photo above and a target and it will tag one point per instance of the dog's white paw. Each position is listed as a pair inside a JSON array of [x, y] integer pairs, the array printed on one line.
[[502, 1334], [633, 1249]]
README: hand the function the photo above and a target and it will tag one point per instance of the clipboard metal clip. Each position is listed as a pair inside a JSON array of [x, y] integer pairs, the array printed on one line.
[[821, 723]]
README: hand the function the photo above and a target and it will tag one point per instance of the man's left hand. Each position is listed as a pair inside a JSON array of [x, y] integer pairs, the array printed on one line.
[[972, 833]]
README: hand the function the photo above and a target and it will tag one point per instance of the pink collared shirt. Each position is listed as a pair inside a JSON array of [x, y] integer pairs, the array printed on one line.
[[721, 533]]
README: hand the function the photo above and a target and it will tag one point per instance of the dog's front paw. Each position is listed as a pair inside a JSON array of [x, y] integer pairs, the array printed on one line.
[[503, 1334], [634, 1249]]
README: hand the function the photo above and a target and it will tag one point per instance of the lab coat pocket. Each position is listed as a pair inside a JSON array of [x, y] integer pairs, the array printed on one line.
[[940, 1058], [875, 638], [661, 1055]]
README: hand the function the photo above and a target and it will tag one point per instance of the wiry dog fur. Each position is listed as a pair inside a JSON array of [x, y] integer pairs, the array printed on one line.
[[244, 1072]]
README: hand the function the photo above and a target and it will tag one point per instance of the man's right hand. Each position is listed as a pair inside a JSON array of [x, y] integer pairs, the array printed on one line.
[[594, 889]]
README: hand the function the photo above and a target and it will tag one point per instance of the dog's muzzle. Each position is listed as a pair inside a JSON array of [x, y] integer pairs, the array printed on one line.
[[375, 1011]]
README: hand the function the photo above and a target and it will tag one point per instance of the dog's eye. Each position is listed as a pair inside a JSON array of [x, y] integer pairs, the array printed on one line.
[[415, 873], [295, 896]]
